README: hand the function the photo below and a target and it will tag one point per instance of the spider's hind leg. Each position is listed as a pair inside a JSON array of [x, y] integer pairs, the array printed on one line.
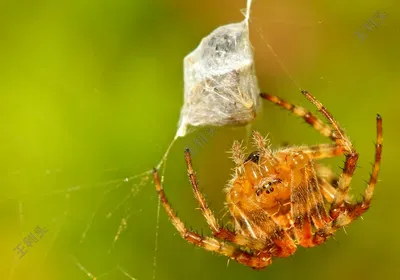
[[350, 164], [257, 260], [355, 210], [329, 182]]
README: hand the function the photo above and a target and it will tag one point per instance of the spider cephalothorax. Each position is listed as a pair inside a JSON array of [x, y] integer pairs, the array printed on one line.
[[281, 199]]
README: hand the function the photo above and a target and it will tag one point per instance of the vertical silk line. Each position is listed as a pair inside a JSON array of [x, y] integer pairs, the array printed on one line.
[[156, 239], [248, 8]]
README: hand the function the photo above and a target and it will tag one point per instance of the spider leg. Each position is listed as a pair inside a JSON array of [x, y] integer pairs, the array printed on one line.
[[369, 191], [350, 211], [326, 173], [312, 120], [217, 230], [328, 182], [327, 190], [355, 210], [284, 245], [350, 153], [320, 151], [335, 133], [258, 260]]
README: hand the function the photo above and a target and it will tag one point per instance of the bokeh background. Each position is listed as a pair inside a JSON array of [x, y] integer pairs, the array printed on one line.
[[90, 94]]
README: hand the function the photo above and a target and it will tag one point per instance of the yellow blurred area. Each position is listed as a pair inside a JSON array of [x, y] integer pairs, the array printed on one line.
[[90, 94]]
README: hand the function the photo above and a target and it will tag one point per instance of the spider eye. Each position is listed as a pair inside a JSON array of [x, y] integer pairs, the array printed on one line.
[[269, 190], [268, 187], [254, 157]]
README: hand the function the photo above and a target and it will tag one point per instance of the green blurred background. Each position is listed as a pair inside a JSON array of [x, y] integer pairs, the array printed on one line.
[[90, 93]]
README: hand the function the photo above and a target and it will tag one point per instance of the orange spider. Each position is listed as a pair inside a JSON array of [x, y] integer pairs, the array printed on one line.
[[281, 199]]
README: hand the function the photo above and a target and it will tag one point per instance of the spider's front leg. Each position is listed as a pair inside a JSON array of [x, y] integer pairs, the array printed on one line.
[[258, 260]]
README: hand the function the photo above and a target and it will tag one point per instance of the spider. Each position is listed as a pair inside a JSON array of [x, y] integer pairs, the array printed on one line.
[[282, 199]]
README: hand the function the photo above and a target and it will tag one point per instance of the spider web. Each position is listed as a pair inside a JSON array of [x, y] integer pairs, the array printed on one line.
[[113, 206], [114, 209], [121, 212]]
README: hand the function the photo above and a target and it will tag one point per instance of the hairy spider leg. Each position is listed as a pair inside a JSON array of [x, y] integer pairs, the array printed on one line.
[[320, 151], [217, 230], [309, 118], [257, 260], [341, 215], [328, 191], [352, 211], [350, 153], [369, 191], [328, 182], [343, 144]]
